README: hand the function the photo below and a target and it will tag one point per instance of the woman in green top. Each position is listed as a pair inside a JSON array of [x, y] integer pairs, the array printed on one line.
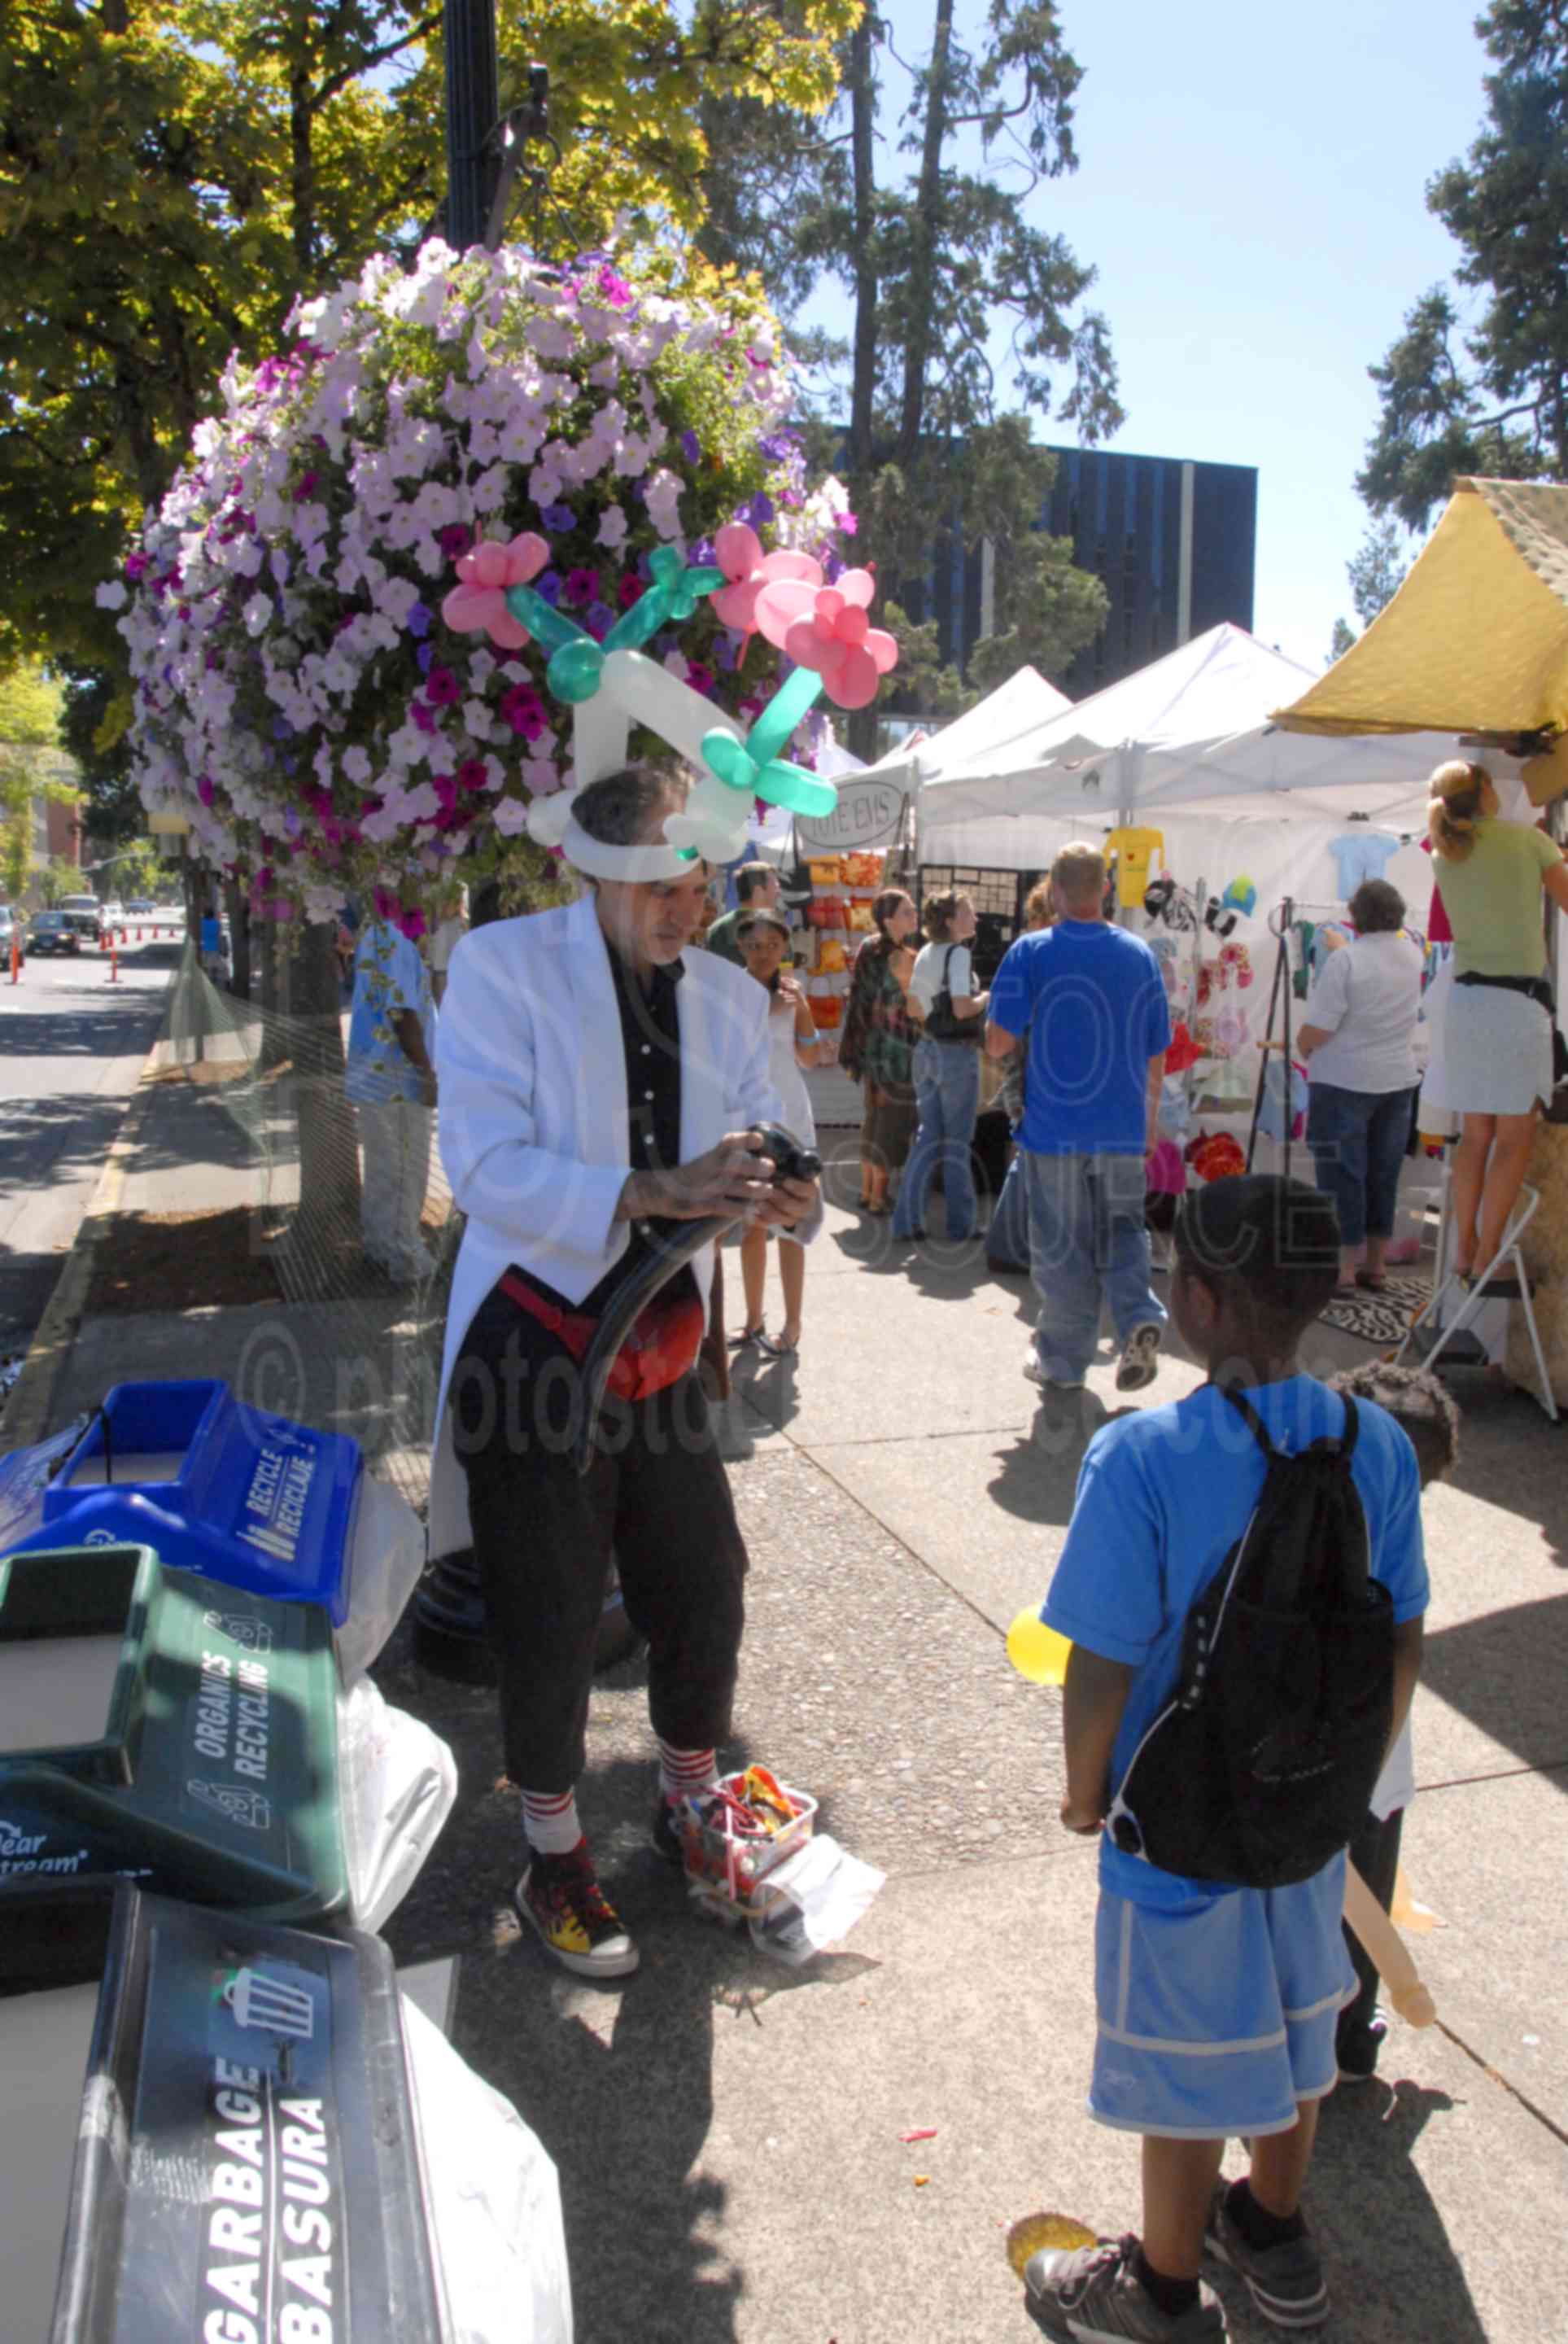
[[877, 1044], [1498, 1027]]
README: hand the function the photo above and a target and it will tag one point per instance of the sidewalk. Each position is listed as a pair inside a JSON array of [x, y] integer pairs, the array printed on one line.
[[728, 2130]]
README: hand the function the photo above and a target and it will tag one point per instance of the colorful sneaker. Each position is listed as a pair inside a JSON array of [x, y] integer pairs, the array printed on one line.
[[1090, 2295], [1140, 1361], [1285, 2282], [560, 1895]]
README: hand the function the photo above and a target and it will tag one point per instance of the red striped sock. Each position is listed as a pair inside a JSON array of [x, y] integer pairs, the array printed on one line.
[[551, 1820], [683, 1773]]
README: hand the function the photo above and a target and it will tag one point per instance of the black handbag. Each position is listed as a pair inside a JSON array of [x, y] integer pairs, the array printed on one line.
[[943, 1023]]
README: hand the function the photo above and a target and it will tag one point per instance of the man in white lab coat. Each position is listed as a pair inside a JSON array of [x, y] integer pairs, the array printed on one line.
[[597, 1087]]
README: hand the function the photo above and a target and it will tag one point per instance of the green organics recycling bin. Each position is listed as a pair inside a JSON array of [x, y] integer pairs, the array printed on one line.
[[158, 1726]]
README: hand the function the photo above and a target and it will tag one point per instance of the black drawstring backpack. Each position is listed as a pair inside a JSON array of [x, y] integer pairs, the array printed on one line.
[[1260, 1767]]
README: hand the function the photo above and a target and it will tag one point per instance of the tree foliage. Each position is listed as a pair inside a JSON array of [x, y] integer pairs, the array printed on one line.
[[175, 173], [32, 765], [1376, 570], [960, 306], [1483, 386]]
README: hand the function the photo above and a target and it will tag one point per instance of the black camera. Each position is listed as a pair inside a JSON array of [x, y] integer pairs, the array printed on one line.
[[790, 1160]]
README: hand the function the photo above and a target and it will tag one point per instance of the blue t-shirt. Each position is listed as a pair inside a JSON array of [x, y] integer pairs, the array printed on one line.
[[1091, 999], [1162, 1496], [1361, 854], [388, 977]]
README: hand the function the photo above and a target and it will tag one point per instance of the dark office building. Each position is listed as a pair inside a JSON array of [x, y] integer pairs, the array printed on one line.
[[1173, 542]]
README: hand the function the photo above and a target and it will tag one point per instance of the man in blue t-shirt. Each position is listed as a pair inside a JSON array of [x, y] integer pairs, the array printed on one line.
[[1090, 998]]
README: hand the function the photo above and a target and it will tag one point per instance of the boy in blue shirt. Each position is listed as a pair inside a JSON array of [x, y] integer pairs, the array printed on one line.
[[1217, 2006]]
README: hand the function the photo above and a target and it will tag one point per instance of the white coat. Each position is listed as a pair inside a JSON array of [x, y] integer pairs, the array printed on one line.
[[533, 1120]]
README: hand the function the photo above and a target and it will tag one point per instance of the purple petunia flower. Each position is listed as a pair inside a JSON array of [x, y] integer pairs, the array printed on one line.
[[598, 618], [581, 586], [549, 585], [453, 539], [442, 688], [758, 510], [418, 620], [557, 519], [702, 552], [425, 655], [692, 447]]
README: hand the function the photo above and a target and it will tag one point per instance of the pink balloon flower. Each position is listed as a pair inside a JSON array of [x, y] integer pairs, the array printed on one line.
[[826, 628], [737, 550], [480, 601]]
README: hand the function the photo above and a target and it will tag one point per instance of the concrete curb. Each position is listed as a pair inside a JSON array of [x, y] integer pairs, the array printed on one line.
[[26, 1416]]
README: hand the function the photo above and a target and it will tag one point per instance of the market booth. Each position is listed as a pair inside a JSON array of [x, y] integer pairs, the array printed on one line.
[[1475, 642]]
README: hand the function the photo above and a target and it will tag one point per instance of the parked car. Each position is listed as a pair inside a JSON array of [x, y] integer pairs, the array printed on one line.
[[11, 928], [55, 932], [138, 910]]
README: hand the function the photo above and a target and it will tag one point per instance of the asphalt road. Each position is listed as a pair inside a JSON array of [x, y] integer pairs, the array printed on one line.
[[72, 1045]]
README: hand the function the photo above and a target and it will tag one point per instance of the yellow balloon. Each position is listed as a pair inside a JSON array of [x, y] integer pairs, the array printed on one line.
[[1037, 1651]]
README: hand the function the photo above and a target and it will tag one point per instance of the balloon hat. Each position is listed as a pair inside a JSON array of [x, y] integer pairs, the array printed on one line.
[[610, 684]]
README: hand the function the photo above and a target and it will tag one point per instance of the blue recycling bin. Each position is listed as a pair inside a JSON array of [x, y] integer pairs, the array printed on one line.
[[213, 1487]]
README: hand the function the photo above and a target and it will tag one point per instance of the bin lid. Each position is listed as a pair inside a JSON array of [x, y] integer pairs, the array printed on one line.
[[258, 1500], [248, 2151], [215, 1776]]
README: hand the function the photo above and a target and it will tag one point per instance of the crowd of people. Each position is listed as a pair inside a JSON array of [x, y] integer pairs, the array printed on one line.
[[601, 1084]]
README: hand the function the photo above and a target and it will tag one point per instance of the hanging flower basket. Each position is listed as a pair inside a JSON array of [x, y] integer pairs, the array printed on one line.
[[332, 686]]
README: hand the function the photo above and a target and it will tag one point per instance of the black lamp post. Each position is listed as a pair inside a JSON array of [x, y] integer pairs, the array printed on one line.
[[473, 107]]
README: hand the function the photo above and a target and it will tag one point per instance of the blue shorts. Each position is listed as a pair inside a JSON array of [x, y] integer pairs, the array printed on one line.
[[1218, 2015]]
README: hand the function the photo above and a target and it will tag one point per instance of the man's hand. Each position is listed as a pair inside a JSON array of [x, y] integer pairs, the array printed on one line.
[[1080, 1815], [731, 1182], [790, 1202]]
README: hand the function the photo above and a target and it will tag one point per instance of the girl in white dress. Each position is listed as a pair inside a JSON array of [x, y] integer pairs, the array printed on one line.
[[763, 937]]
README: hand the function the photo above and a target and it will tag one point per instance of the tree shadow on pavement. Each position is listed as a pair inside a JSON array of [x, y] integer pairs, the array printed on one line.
[[1384, 2240], [616, 2079], [1505, 1672]]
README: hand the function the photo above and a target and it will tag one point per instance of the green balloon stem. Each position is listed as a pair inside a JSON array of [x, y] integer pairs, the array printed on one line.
[[777, 721]]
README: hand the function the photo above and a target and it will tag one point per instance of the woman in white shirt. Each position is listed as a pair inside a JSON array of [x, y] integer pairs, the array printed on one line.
[[947, 1066], [1357, 1037], [763, 936]]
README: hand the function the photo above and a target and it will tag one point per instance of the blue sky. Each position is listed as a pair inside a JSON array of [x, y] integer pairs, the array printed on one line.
[[1250, 189]]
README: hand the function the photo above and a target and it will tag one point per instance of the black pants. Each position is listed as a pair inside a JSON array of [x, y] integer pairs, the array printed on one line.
[[656, 1498], [1375, 1852]]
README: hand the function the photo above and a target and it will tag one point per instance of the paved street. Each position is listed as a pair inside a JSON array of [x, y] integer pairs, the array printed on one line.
[[72, 1043]]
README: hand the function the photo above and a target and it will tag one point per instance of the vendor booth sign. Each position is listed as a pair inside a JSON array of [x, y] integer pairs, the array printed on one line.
[[868, 812]]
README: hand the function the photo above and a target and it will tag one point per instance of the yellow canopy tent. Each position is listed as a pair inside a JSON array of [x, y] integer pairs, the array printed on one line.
[[1477, 640]]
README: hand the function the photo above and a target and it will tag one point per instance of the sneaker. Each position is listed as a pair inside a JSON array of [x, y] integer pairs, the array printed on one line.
[[1285, 2282], [1140, 1361], [560, 1895], [1036, 1375], [1089, 2293], [1356, 2049]]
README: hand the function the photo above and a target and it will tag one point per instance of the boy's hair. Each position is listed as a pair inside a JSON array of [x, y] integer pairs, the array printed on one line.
[[1424, 1412], [1270, 1246]]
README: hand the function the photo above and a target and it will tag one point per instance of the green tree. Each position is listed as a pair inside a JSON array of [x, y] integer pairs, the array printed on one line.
[[934, 263], [33, 766], [1376, 572], [1490, 396]]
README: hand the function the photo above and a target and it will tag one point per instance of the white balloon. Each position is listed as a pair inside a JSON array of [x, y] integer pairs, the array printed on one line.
[[713, 820], [600, 728]]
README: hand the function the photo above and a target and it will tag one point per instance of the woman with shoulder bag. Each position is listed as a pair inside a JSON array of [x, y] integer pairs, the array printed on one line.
[[947, 1070]]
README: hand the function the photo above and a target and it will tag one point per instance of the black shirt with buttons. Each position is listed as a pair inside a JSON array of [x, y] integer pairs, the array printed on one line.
[[650, 1041]]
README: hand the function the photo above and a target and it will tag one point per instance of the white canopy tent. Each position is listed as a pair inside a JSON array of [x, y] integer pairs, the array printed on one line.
[[1191, 732], [992, 736]]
